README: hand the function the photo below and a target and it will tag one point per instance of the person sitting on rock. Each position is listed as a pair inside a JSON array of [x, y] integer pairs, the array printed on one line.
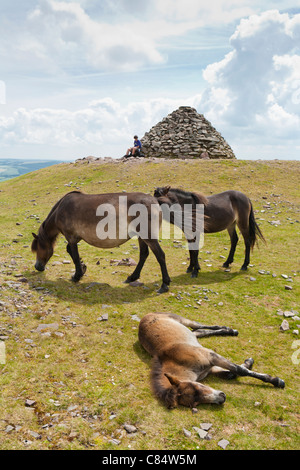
[[135, 149]]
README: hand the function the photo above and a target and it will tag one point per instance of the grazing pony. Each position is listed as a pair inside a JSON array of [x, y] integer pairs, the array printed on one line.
[[179, 360], [222, 211], [77, 216]]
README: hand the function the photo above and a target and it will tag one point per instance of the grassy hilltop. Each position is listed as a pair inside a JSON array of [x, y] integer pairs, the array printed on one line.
[[75, 373]]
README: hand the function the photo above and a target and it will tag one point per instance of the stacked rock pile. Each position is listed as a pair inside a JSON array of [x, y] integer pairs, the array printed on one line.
[[185, 134]]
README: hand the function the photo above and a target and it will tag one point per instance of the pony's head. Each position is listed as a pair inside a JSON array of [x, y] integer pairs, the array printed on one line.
[[191, 394], [43, 249], [159, 192]]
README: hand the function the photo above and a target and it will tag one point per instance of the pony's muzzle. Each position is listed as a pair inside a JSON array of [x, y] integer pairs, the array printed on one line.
[[39, 266], [222, 397], [218, 397]]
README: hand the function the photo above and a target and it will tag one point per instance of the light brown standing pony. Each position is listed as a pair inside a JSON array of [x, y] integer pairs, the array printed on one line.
[[77, 217], [222, 211], [179, 361]]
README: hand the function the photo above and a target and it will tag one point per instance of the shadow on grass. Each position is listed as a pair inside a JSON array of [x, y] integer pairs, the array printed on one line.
[[98, 292]]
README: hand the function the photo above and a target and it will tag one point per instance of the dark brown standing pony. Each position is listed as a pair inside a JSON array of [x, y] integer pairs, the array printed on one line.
[[179, 360], [77, 216], [222, 211]]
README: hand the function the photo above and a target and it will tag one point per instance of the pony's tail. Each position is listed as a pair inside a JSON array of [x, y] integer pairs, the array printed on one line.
[[254, 230]]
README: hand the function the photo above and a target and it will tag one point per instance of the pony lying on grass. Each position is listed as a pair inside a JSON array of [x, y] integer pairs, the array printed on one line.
[[179, 361]]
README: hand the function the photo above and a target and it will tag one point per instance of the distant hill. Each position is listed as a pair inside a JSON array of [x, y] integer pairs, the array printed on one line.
[[12, 167]]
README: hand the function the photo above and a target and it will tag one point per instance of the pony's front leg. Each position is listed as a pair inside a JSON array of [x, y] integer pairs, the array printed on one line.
[[80, 267], [243, 371]]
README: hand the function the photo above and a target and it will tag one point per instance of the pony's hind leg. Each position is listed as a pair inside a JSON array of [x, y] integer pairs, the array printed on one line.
[[233, 239], [80, 267], [204, 330], [244, 228], [229, 375], [194, 265]]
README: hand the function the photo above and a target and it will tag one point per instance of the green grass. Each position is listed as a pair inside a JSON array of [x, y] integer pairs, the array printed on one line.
[[90, 377]]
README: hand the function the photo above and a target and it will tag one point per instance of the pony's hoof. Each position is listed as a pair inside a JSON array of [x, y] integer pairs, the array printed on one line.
[[75, 278], [164, 288], [244, 268], [279, 383], [249, 363], [225, 265], [194, 274]]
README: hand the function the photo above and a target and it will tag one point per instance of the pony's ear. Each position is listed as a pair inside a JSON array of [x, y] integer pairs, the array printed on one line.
[[34, 235], [165, 190], [172, 379]]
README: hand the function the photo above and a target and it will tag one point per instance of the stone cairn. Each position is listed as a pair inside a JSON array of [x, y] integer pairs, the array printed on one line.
[[185, 134]]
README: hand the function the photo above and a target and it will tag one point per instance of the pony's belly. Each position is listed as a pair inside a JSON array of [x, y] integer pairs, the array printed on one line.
[[159, 334], [104, 243]]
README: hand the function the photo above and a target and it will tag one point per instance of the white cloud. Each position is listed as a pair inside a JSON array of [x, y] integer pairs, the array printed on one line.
[[123, 35], [255, 89], [252, 94], [104, 126]]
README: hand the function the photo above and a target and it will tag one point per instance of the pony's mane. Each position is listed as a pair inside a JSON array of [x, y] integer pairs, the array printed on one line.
[[166, 394], [199, 198]]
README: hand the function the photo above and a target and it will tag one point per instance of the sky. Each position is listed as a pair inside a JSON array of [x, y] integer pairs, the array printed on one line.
[[82, 77]]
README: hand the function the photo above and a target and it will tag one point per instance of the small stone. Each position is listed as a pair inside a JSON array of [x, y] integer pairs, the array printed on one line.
[[288, 313], [288, 287], [49, 326], [187, 433], [9, 428], [129, 428], [205, 426], [252, 278], [284, 325], [103, 317], [115, 441], [35, 434], [136, 283], [72, 408], [223, 443], [201, 433], [30, 403], [135, 318]]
